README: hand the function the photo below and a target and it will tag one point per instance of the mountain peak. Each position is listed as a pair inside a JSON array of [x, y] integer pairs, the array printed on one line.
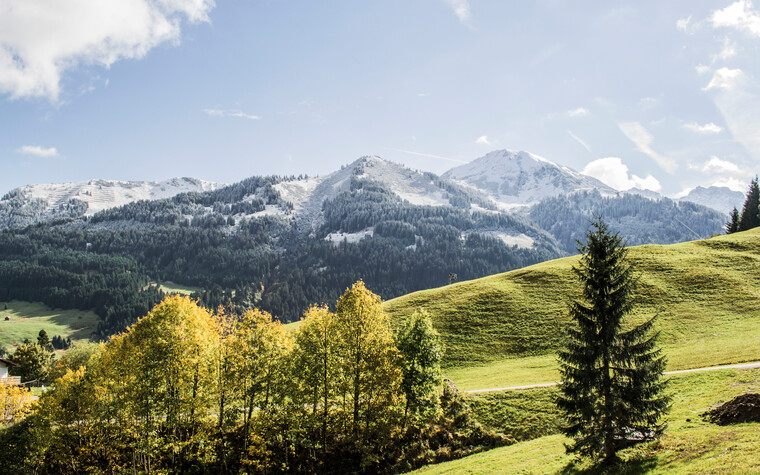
[[517, 178]]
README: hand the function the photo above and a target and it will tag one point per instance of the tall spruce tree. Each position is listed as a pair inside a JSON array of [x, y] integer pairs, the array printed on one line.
[[733, 225], [611, 392], [749, 218]]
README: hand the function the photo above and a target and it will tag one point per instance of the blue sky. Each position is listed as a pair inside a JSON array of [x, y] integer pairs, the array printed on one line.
[[659, 95]]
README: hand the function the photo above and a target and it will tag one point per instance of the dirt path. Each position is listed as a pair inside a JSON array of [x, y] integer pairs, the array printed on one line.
[[753, 365]]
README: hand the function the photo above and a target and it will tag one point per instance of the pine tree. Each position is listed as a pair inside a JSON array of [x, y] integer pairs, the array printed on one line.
[[749, 218], [733, 225], [611, 390], [421, 354]]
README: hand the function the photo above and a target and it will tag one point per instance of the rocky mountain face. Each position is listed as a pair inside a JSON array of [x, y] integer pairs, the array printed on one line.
[[719, 198]]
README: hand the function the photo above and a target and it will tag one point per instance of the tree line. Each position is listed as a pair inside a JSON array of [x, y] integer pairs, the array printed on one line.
[[750, 215], [189, 391]]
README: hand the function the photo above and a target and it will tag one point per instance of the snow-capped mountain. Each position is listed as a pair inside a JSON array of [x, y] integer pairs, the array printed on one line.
[[42, 202], [522, 178], [719, 198], [418, 188]]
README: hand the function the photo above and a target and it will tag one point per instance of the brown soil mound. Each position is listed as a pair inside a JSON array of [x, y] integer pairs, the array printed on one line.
[[744, 408]]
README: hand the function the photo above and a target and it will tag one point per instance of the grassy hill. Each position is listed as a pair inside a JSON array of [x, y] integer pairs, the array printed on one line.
[[28, 318], [504, 329]]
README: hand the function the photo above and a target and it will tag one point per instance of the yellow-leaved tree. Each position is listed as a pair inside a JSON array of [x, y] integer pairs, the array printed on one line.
[[15, 402], [370, 371], [316, 369], [257, 359], [161, 378]]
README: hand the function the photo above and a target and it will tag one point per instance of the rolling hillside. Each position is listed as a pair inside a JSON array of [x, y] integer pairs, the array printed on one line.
[[503, 329]]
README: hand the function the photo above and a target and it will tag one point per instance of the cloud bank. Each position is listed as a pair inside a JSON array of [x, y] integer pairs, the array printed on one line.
[[42, 39], [613, 172]]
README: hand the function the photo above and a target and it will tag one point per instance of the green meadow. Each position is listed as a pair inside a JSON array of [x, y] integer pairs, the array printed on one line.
[[503, 330], [689, 444], [28, 318]]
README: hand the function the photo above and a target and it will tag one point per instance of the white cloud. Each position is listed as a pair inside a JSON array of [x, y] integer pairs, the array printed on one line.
[[721, 167], [578, 112], [613, 172], [740, 15], [461, 10], [38, 151], [724, 78], [483, 140], [42, 39], [223, 113], [709, 128], [702, 69], [637, 134], [736, 184]]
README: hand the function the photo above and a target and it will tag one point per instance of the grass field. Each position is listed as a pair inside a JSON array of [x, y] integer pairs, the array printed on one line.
[[172, 288], [689, 445], [28, 318], [503, 330]]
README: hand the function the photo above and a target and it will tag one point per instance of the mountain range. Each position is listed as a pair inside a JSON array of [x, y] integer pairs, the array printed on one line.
[[283, 243]]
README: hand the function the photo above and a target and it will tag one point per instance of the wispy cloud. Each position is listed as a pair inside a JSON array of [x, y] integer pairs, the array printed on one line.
[[419, 154], [637, 134], [38, 151], [724, 78], [578, 112], [41, 39], [580, 141], [483, 140], [683, 24], [462, 10], [613, 172], [709, 128], [230, 113]]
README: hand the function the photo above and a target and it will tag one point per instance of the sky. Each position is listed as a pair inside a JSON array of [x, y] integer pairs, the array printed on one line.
[[656, 95]]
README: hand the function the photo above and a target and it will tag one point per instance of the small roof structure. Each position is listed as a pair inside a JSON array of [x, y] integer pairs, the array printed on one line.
[[8, 362]]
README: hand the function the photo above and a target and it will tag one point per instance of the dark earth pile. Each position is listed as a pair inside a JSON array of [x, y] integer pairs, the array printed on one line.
[[744, 408]]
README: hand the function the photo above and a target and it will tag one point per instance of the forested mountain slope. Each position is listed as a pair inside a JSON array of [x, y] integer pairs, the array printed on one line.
[[283, 243]]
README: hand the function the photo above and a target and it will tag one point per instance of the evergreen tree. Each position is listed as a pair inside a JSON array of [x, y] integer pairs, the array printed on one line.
[[611, 391], [749, 218], [421, 354], [733, 225]]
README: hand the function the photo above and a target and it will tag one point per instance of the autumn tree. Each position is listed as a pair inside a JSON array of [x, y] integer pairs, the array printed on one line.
[[160, 376], [611, 390], [370, 379], [257, 354], [316, 367]]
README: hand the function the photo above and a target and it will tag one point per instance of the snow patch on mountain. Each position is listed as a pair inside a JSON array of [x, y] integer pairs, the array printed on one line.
[[522, 241], [516, 179], [103, 194], [337, 238]]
